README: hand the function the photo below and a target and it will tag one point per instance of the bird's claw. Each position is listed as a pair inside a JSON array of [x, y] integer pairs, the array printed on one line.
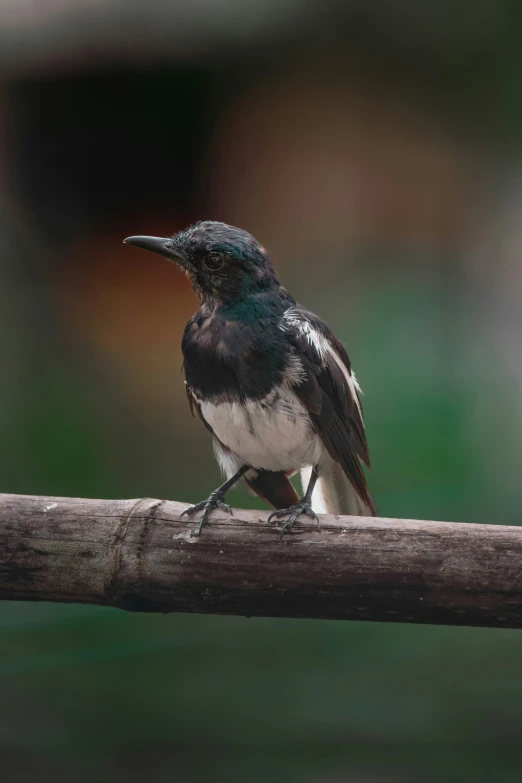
[[215, 500], [304, 506]]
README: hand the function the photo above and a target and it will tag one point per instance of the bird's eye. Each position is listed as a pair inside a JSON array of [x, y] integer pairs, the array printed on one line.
[[213, 263]]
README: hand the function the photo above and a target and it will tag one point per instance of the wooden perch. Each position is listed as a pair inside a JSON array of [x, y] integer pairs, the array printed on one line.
[[138, 555]]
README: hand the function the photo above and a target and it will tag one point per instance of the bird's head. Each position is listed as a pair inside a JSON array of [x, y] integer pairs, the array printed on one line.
[[222, 262]]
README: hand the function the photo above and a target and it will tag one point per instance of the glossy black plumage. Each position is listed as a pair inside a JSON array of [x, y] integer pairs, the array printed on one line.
[[230, 352]]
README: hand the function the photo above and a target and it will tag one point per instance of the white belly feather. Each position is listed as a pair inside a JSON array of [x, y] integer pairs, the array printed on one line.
[[274, 433]]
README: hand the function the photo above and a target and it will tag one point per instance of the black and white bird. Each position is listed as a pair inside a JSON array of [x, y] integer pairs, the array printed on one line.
[[269, 379]]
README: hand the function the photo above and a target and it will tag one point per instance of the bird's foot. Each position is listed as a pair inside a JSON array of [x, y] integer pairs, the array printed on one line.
[[215, 500], [304, 506]]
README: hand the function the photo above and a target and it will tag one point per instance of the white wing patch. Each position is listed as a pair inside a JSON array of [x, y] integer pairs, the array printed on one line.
[[292, 319]]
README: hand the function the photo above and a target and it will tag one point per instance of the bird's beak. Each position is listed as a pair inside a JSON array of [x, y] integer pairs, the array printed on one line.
[[160, 245]]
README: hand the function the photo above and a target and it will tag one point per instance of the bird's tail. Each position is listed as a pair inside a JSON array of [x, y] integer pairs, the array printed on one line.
[[334, 494]]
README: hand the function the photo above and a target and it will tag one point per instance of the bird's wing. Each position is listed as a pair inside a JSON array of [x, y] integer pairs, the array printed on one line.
[[329, 391]]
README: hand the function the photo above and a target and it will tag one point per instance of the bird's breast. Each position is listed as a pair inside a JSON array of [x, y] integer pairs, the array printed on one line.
[[230, 358]]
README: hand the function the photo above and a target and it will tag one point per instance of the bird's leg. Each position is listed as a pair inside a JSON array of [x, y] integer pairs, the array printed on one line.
[[216, 499], [303, 506]]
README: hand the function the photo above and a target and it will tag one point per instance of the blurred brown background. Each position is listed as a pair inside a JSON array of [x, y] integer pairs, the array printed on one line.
[[375, 148]]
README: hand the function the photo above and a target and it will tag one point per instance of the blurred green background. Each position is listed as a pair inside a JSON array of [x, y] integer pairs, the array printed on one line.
[[375, 149]]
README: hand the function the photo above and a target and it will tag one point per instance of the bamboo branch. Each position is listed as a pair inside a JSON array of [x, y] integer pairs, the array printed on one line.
[[140, 556]]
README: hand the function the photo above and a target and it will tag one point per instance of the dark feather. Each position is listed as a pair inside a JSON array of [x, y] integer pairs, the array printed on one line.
[[335, 412], [273, 487], [238, 351]]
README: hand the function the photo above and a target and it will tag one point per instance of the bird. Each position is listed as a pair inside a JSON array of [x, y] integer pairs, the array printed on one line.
[[269, 379]]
